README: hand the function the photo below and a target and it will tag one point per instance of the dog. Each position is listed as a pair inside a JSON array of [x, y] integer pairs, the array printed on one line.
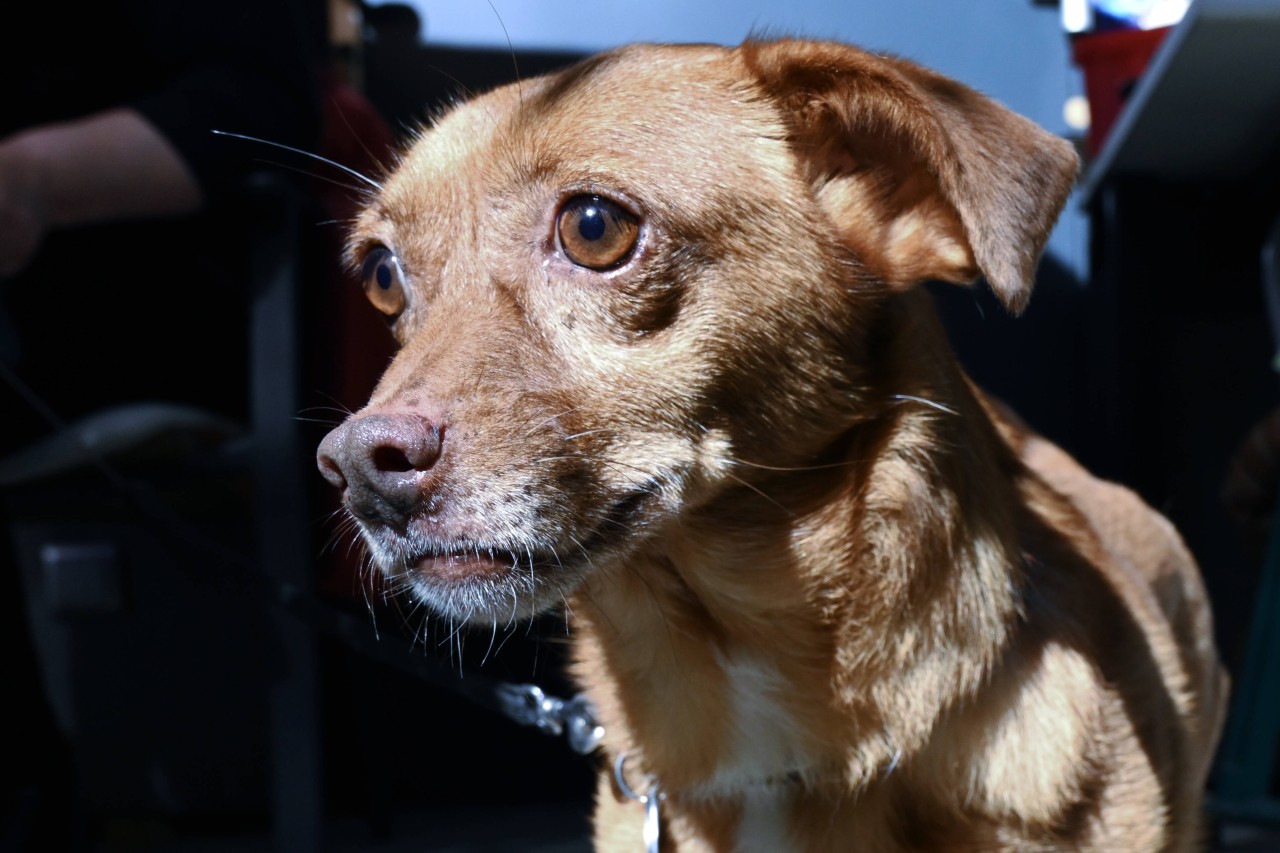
[[665, 360]]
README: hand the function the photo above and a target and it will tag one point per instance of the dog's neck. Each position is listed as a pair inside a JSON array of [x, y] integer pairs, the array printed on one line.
[[782, 633]]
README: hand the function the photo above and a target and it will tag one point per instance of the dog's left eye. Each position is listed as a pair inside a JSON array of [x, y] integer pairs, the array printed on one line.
[[596, 233], [383, 281]]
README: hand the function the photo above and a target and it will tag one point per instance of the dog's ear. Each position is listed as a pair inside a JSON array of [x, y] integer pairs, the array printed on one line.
[[924, 177]]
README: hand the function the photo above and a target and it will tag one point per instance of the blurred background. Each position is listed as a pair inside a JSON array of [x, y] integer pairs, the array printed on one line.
[[199, 659]]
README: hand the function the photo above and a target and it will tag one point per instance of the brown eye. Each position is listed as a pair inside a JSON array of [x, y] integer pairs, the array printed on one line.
[[383, 281], [596, 233]]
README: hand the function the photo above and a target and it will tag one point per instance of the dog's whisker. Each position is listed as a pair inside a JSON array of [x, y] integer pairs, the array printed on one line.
[[322, 421], [356, 542], [325, 223], [749, 485], [373, 613], [549, 419], [352, 172], [515, 65], [601, 612], [453, 101], [462, 639], [657, 602], [493, 637], [515, 605], [921, 400], [786, 468], [340, 532], [615, 463], [448, 638], [338, 406], [567, 610], [342, 411], [360, 192], [357, 135], [509, 631], [345, 529], [585, 433]]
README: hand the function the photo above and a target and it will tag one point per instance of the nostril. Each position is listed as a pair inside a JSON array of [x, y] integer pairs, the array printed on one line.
[[331, 471], [391, 460], [405, 445]]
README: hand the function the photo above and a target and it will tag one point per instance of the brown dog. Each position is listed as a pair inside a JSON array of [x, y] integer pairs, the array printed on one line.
[[665, 361]]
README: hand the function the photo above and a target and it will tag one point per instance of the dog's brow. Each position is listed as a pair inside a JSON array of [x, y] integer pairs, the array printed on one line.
[[570, 79]]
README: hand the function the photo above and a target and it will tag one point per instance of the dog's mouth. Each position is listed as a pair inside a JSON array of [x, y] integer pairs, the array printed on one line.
[[487, 582], [454, 564]]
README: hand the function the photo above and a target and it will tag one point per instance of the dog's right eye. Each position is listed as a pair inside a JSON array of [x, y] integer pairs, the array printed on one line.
[[595, 232], [383, 281]]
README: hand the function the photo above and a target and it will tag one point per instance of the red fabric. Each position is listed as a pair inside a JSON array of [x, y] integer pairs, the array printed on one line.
[[1112, 62]]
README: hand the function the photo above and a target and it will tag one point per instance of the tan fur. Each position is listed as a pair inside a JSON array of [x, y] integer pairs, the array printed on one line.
[[823, 591]]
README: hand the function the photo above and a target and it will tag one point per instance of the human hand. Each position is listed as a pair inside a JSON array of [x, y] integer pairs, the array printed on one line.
[[23, 214]]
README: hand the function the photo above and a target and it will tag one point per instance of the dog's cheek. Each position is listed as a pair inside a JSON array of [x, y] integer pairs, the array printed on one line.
[[652, 301]]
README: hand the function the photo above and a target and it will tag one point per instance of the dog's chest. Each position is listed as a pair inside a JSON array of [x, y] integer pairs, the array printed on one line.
[[761, 740], [762, 757]]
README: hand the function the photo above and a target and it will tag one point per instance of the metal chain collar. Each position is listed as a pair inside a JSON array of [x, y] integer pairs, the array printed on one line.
[[529, 705]]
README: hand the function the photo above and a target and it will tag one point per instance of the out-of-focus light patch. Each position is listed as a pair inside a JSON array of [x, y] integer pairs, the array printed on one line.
[[1165, 14], [1077, 16], [1145, 14], [1075, 112]]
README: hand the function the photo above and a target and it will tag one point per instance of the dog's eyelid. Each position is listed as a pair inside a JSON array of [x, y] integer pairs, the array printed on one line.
[[358, 251], [383, 280]]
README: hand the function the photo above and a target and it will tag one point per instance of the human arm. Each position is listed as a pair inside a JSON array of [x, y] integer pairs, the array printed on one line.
[[108, 166]]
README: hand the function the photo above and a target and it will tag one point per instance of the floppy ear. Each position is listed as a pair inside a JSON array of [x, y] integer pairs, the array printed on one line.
[[924, 177]]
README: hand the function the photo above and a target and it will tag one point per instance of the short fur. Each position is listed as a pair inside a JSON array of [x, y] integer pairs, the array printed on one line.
[[823, 591]]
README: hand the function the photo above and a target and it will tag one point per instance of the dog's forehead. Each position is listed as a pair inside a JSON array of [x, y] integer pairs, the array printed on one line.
[[641, 115], [660, 77]]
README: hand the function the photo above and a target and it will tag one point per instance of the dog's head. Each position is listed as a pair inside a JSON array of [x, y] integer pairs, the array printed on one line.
[[624, 289]]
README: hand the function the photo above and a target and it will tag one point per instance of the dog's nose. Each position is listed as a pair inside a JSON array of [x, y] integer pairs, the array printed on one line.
[[381, 461]]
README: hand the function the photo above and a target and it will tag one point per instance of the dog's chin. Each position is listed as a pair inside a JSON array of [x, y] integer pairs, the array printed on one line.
[[478, 582], [490, 586]]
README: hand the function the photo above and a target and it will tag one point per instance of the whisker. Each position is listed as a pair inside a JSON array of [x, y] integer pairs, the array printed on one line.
[[614, 462], [492, 639], [756, 489], [585, 432], [514, 64], [338, 406], [666, 621], [358, 190], [932, 404], [549, 419], [785, 468], [352, 172], [358, 136], [338, 409], [465, 90], [373, 613]]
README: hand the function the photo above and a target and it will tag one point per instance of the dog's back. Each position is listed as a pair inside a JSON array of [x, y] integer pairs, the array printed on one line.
[[1150, 567]]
